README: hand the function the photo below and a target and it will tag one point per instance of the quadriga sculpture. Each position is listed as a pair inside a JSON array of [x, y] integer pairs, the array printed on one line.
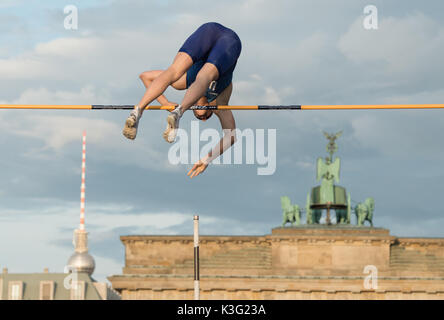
[[291, 212], [364, 211], [341, 216]]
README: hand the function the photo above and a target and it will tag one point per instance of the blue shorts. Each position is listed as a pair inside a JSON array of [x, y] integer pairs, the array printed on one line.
[[216, 44]]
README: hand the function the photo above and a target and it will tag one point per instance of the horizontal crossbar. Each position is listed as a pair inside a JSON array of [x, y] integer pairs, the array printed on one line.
[[258, 107]]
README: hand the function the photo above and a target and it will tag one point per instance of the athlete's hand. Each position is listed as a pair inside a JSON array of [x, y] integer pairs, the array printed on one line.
[[197, 169]]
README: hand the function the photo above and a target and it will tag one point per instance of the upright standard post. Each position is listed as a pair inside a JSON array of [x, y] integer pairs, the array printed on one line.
[[196, 258]]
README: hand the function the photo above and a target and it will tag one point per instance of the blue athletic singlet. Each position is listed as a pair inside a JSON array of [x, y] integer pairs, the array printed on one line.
[[216, 44]]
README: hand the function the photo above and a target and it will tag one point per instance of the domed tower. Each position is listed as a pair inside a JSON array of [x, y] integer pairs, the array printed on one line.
[[81, 260]]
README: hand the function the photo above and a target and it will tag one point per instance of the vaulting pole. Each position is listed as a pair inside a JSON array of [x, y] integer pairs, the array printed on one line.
[[258, 107], [196, 259]]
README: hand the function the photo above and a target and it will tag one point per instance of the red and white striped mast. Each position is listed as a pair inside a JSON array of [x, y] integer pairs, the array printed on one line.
[[80, 235], [81, 260]]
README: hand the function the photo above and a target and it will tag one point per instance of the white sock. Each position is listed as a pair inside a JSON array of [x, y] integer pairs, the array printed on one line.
[[137, 112], [178, 111]]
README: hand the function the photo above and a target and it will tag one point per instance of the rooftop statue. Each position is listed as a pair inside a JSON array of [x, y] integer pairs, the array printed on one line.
[[328, 171], [291, 212], [328, 196], [364, 211], [332, 147]]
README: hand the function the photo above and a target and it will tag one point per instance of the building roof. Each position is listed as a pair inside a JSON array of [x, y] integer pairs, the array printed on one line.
[[31, 286]]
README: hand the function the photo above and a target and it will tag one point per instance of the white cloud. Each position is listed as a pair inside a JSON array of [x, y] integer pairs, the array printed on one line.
[[271, 96], [41, 95], [103, 62], [257, 91], [409, 44], [423, 97], [10, 3], [399, 133], [285, 57], [58, 131], [305, 165]]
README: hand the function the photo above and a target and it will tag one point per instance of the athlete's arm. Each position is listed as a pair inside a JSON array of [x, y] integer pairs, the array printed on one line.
[[228, 125]]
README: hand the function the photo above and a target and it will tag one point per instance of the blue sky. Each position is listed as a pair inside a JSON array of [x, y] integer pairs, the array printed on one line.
[[294, 52]]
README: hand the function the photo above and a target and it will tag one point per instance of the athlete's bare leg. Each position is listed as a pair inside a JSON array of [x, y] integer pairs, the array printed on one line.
[[148, 77], [206, 75], [182, 62], [198, 88]]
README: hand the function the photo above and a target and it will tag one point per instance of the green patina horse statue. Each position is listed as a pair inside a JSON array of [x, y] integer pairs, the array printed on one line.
[[364, 211], [291, 212]]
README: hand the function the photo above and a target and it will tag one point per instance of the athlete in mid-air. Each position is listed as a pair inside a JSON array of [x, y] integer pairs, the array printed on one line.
[[204, 66]]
